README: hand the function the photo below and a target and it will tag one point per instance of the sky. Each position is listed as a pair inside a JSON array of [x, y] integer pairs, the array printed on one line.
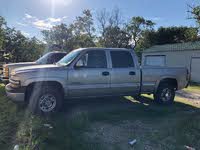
[[33, 16]]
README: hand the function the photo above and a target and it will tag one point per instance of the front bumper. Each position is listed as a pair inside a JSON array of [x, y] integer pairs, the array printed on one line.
[[15, 94]]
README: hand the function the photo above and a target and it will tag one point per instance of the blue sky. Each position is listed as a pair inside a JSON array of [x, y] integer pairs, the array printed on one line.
[[32, 16]]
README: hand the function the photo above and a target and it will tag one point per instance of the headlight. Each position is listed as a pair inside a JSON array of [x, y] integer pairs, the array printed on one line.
[[5, 71], [13, 73]]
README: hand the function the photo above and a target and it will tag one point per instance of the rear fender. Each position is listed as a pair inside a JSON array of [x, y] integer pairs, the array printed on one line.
[[162, 78]]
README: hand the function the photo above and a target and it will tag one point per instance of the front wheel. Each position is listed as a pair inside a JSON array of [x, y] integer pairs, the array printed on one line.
[[45, 101], [165, 94]]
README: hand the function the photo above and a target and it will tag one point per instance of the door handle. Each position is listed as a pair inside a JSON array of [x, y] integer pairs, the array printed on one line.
[[105, 73], [132, 73]]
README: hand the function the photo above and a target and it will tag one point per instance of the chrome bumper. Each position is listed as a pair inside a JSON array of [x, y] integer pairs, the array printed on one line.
[[14, 95]]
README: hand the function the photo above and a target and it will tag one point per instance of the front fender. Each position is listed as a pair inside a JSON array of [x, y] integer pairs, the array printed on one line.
[[36, 79]]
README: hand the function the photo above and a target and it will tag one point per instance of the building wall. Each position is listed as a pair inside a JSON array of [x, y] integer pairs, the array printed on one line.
[[179, 59]]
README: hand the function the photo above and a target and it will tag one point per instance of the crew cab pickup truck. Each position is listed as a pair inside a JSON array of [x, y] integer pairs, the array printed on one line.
[[48, 58], [93, 72]]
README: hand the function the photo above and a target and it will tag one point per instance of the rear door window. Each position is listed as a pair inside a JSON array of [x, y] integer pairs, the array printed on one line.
[[121, 59]]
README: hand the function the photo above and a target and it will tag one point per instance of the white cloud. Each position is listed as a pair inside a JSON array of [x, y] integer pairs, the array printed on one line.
[[28, 16], [25, 33], [21, 24], [62, 2], [155, 18], [54, 19], [43, 24], [66, 2], [64, 17]]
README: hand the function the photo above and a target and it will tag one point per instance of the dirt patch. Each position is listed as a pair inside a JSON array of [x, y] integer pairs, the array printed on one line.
[[118, 136], [188, 95]]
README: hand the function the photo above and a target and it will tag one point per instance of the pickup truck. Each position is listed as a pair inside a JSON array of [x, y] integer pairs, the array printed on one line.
[[93, 72], [48, 58]]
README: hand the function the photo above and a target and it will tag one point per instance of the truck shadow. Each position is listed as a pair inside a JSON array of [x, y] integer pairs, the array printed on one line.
[[143, 106]]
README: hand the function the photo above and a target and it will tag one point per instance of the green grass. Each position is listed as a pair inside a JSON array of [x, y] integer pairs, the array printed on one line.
[[193, 88], [9, 116], [154, 126]]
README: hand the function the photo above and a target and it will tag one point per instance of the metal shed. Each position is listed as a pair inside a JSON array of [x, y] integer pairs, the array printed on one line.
[[175, 55]]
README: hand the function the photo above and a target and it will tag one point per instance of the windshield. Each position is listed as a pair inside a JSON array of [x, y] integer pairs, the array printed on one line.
[[43, 59], [69, 58]]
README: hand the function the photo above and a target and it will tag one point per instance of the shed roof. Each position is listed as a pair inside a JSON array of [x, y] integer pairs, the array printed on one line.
[[174, 47]]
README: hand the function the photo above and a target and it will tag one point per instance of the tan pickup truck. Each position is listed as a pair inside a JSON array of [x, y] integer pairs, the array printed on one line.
[[93, 72]]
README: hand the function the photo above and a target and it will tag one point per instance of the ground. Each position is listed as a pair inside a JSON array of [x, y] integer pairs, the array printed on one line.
[[105, 123]]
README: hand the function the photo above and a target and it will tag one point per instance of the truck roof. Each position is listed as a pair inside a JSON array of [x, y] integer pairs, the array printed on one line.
[[103, 48], [58, 52]]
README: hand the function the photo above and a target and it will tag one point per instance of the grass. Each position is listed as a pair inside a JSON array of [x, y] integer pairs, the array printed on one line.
[[106, 123], [194, 87], [9, 116]]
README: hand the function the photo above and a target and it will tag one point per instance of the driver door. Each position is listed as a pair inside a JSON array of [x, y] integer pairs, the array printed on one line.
[[90, 76]]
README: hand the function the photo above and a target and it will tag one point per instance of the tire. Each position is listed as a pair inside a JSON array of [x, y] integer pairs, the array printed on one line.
[[165, 94], [45, 100]]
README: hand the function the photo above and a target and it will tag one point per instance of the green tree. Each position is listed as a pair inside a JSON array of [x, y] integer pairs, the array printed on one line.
[[108, 22], [195, 12], [116, 37], [166, 35], [78, 34], [136, 28], [83, 30], [60, 36], [2, 31], [17, 47]]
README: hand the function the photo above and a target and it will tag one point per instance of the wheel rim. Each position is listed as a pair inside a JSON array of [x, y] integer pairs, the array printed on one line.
[[47, 102], [166, 95]]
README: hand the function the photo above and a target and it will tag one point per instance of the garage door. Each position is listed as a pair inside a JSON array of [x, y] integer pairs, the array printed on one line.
[[195, 69]]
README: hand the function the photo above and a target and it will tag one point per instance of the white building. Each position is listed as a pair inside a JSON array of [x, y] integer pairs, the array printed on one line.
[[175, 55]]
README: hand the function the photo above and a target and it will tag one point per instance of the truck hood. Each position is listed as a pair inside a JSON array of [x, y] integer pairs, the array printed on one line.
[[21, 64], [37, 68]]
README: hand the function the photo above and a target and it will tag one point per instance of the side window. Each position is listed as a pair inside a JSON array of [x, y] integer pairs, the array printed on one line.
[[58, 56], [55, 57], [121, 59], [93, 59], [155, 60], [49, 59]]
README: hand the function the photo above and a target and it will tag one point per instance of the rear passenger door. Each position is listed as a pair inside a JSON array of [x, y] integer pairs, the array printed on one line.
[[125, 77]]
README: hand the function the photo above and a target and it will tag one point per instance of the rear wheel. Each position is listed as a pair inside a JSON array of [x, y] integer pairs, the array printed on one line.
[[45, 100], [165, 94]]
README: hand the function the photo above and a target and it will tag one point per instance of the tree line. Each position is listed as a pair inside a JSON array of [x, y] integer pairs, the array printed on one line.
[[101, 29], [15, 47]]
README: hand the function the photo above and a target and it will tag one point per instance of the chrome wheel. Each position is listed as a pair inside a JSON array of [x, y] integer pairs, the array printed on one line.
[[47, 102], [166, 95]]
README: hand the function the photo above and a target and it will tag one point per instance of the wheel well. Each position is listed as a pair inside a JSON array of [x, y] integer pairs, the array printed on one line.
[[33, 85], [170, 81]]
